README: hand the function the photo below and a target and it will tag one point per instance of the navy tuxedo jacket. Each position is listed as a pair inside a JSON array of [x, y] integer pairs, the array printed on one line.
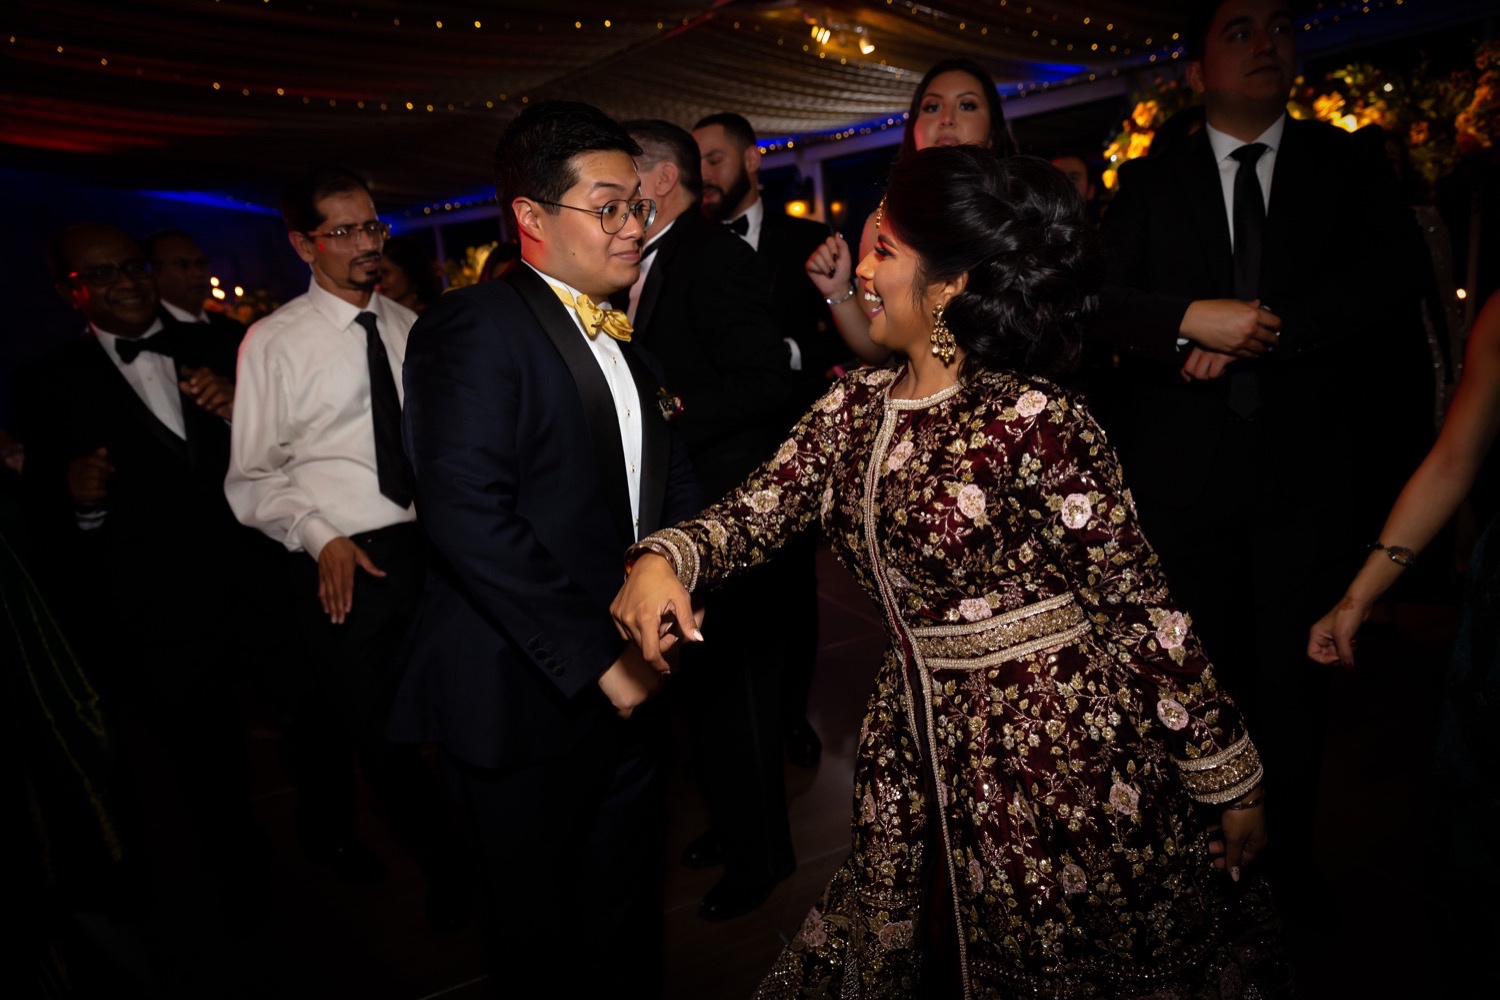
[[1342, 266], [522, 491]]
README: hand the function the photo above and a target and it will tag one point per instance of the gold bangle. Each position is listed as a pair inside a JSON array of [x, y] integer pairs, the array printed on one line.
[[1251, 804]]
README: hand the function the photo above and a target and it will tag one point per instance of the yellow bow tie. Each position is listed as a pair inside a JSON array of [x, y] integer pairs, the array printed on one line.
[[612, 321]]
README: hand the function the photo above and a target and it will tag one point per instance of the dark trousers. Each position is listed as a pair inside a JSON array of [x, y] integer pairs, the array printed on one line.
[[1255, 566], [570, 851], [731, 689], [346, 702], [182, 689]]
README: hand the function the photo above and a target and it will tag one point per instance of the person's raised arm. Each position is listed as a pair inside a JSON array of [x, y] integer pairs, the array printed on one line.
[[831, 269], [1430, 497]]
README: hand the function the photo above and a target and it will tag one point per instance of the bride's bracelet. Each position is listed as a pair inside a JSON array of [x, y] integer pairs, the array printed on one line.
[[1249, 803], [1398, 554], [843, 298]]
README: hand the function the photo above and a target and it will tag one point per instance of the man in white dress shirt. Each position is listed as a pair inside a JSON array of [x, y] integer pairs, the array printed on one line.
[[316, 464]]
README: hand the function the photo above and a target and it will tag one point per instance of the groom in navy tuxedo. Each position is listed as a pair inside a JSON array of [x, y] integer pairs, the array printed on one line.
[[540, 441]]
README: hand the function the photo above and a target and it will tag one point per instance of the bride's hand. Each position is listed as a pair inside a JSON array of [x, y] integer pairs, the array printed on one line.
[[830, 267], [1241, 833], [653, 610]]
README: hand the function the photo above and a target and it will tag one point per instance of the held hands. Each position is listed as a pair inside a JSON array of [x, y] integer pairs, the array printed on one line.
[[336, 576], [1229, 326], [88, 479], [1241, 833], [1331, 639], [213, 392], [830, 267], [653, 610], [629, 682]]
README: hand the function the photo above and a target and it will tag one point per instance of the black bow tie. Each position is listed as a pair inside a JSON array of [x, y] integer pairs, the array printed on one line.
[[650, 248], [129, 349], [739, 227]]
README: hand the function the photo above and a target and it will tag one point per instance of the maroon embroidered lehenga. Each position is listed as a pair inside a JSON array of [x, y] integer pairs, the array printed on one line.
[[1044, 727]]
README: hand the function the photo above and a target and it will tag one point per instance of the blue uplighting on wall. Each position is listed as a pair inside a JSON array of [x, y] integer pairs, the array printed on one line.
[[211, 200]]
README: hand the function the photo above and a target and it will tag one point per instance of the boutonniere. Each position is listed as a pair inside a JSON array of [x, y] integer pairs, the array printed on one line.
[[670, 405]]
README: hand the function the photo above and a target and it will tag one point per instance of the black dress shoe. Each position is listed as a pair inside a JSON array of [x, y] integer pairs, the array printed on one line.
[[351, 861], [803, 747], [448, 904], [704, 851], [736, 895]]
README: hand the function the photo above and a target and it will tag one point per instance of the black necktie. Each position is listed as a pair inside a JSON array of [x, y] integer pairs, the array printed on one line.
[[392, 468], [1249, 222], [739, 227], [1249, 238], [650, 248], [129, 349]]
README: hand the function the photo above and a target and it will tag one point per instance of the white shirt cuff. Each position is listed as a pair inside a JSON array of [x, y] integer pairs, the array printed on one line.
[[315, 533]]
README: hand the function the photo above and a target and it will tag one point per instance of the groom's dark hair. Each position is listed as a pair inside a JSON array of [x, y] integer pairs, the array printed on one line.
[[534, 158]]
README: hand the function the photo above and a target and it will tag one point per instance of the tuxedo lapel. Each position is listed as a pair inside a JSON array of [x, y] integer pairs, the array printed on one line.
[[1199, 175], [1286, 222], [127, 403], [772, 237], [656, 443], [651, 290], [593, 391]]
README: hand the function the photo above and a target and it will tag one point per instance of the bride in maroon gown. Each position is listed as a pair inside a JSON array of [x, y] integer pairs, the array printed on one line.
[[1048, 781]]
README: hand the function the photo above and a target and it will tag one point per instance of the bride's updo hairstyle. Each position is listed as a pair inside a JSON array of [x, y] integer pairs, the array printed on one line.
[[1015, 226]]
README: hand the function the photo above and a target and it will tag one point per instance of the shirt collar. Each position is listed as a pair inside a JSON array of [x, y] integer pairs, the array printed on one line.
[[182, 315], [754, 216], [660, 233], [558, 282], [1223, 144], [107, 339], [340, 312]]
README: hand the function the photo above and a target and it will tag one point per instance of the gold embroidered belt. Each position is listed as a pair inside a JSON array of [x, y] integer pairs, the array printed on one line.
[[1056, 621]]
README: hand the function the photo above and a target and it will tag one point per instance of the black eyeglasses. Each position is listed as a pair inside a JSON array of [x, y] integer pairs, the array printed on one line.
[[614, 213], [342, 234], [105, 275]]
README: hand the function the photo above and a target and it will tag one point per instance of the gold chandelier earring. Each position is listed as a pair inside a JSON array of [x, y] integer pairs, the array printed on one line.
[[943, 344]]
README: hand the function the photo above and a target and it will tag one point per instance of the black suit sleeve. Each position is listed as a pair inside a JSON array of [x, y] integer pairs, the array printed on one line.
[[466, 424], [1146, 324], [747, 380]]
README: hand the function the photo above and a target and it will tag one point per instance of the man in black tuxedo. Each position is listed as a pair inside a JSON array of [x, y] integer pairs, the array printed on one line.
[[731, 195], [542, 449], [702, 307], [182, 280], [1269, 360], [126, 448]]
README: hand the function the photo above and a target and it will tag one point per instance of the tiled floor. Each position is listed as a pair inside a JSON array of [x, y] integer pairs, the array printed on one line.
[[324, 939]]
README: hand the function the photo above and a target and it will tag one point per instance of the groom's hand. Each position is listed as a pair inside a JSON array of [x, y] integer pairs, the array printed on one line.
[[629, 682]]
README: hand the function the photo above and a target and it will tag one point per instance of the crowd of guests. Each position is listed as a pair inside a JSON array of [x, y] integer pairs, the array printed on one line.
[[1089, 765]]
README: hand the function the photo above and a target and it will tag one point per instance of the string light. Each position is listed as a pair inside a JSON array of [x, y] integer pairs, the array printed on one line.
[[850, 42]]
